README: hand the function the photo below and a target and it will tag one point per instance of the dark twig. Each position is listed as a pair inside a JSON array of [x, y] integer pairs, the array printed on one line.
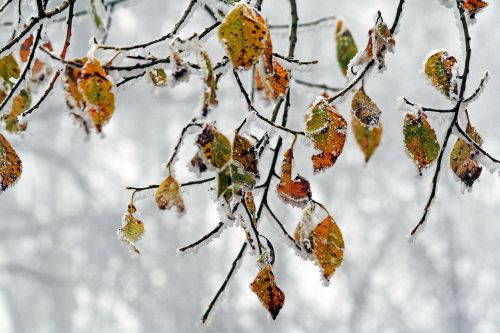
[[316, 85], [304, 25], [191, 183], [282, 227], [179, 142], [473, 143], [479, 88], [429, 109]]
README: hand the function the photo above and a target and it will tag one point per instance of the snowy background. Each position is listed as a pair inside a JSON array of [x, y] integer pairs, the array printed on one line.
[[63, 270]]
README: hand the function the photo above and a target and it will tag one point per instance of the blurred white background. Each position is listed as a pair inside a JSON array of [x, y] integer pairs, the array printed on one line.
[[62, 268]]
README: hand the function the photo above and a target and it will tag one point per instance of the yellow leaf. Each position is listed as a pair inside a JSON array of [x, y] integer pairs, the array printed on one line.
[[215, 147], [442, 70], [20, 103], [367, 139], [268, 292], [9, 69], [72, 93], [10, 164], [132, 228], [168, 195], [328, 246]]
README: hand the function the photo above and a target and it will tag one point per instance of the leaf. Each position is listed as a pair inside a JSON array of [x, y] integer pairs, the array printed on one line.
[[197, 164], [380, 39], [40, 71], [73, 95], [365, 110], [244, 34], [168, 195], [158, 77], [9, 69], [10, 164], [210, 93], [180, 72], [96, 88], [474, 6], [244, 154], [275, 85], [20, 103], [420, 140], [328, 246], [215, 147], [442, 70], [462, 156], [327, 129], [346, 46], [367, 139], [303, 231], [231, 181], [25, 49], [297, 191], [97, 12], [268, 292], [132, 229]]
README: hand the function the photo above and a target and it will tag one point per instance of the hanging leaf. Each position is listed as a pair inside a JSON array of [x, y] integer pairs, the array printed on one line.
[[327, 129], [10, 164], [275, 85], [420, 140], [40, 72], [20, 103], [244, 34], [442, 70], [232, 180], [462, 158], [268, 292], [72, 94], [267, 55], [245, 155], [197, 164], [303, 231], [474, 6], [296, 192], [168, 195], [250, 203], [346, 47], [9, 69], [367, 139], [380, 39], [365, 110], [132, 229], [210, 93], [158, 77], [328, 246], [25, 49], [215, 147], [96, 88]]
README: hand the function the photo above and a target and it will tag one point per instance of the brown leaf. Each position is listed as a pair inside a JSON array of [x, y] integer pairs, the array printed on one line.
[[245, 155], [296, 191], [328, 246], [168, 195], [10, 165], [474, 6], [268, 292]]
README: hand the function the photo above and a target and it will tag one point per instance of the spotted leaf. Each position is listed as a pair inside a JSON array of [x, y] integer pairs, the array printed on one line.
[[268, 292], [294, 191], [462, 158], [365, 110], [420, 140], [328, 246], [168, 195], [367, 138], [10, 165], [346, 46], [245, 155], [215, 147], [132, 228], [442, 70], [274, 85]]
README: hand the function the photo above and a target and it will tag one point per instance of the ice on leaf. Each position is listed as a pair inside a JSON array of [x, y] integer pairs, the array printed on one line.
[[420, 139], [158, 77], [73, 95], [346, 46], [474, 6], [215, 147], [442, 70], [245, 155], [367, 138], [96, 88], [168, 195], [20, 103], [294, 191], [231, 181], [462, 158], [210, 92], [9, 68], [303, 231], [327, 129], [268, 292], [25, 49], [365, 110], [132, 228], [10, 164], [274, 85], [328, 246], [244, 33]]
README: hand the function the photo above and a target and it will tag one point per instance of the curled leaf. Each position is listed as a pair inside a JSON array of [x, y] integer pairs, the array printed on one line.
[[10, 164], [420, 140], [296, 191], [274, 85], [365, 110], [327, 129], [158, 77], [168, 195], [215, 147], [474, 6], [244, 34], [367, 138], [379, 40], [245, 155], [268, 292], [210, 93], [303, 231], [346, 46], [132, 228], [462, 158], [328, 246], [442, 70], [72, 93]]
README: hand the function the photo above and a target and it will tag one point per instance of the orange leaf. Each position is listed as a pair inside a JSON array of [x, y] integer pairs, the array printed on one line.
[[328, 246], [273, 85], [245, 155], [268, 292], [168, 195], [297, 191], [474, 6], [25, 50], [10, 164], [73, 95]]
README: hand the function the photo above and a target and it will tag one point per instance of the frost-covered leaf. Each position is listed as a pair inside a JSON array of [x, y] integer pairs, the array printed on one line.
[[40, 72], [442, 70], [474, 6], [97, 12], [9, 68], [210, 92], [197, 164], [268, 292], [379, 40], [168, 195], [327, 129], [10, 164], [232, 180], [96, 88], [158, 77], [294, 191], [303, 230], [462, 156], [73, 95], [364, 109], [346, 46], [25, 49], [20, 103], [420, 140], [215, 147], [244, 33], [367, 138], [250, 203], [245, 155], [132, 228], [180, 72], [274, 85], [328, 246]]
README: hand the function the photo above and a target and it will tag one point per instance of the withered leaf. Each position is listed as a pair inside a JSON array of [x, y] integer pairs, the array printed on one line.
[[268, 292], [245, 155], [10, 165], [474, 6], [210, 93], [158, 77], [328, 246], [367, 139], [20, 103], [168, 195], [132, 228], [364, 109], [462, 158], [275, 85], [442, 70], [215, 147], [420, 140]]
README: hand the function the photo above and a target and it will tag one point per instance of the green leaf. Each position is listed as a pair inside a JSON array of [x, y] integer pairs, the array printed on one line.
[[420, 140], [346, 47], [441, 69], [215, 147]]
